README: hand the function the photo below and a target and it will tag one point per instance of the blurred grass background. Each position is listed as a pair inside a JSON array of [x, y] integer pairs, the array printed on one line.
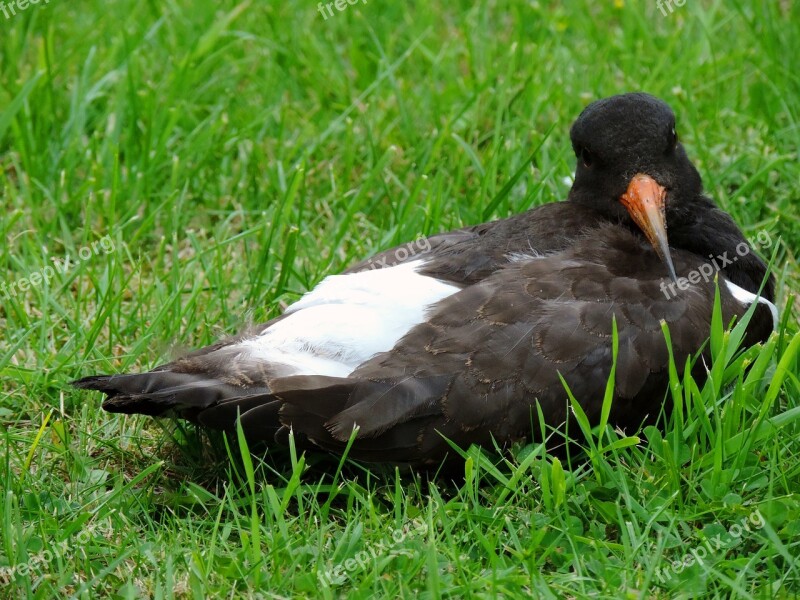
[[236, 153]]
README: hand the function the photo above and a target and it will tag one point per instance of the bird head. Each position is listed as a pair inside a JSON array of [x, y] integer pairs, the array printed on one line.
[[632, 168]]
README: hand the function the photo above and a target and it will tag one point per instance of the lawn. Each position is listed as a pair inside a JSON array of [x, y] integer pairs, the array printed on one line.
[[171, 172]]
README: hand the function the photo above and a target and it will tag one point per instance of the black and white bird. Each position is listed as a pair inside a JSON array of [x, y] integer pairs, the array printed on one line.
[[463, 340]]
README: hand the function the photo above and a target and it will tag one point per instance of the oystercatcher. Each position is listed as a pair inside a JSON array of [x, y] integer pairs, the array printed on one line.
[[464, 339]]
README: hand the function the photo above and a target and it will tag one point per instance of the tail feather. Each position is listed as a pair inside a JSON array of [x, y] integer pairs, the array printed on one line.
[[158, 392], [398, 421]]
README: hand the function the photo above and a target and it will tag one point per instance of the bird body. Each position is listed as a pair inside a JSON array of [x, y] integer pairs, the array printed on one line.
[[465, 337]]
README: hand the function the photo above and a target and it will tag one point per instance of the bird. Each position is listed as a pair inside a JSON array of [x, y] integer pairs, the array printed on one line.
[[473, 336]]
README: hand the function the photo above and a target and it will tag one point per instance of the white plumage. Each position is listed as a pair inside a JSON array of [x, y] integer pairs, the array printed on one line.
[[747, 298], [347, 319]]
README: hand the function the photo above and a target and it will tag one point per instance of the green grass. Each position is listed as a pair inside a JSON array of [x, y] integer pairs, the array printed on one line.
[[235, 154]]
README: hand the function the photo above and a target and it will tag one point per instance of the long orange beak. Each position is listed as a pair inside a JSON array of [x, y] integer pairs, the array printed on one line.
[[645, 202]]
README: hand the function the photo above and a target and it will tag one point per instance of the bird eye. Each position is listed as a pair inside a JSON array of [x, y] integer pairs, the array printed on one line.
[[586, 157]]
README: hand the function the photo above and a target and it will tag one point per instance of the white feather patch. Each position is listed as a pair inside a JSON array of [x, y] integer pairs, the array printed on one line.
[[514, 257], [747, 298], [347, 319]]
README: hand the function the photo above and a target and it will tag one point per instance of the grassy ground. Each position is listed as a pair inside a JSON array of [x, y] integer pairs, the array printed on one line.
[[202, 164]]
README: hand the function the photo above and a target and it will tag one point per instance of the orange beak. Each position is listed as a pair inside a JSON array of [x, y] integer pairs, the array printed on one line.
[[645, 202]]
